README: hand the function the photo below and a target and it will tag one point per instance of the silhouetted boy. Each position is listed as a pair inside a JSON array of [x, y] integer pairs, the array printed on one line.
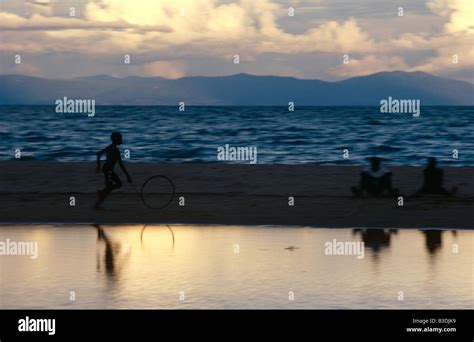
[[112, 180], [433, 179], [375, 180]]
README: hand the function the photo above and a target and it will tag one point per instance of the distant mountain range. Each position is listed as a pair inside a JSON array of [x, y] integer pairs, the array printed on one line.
[[240, 89]]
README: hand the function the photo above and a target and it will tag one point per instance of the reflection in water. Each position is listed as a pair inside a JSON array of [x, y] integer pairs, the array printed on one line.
[[111, 254], [134, 267], [109, 251], [112, 250], [375, 239], [167, 226], [433, 240], [378, 239]]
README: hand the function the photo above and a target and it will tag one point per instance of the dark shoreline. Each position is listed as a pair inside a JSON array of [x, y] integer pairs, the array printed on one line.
[[39, 192]]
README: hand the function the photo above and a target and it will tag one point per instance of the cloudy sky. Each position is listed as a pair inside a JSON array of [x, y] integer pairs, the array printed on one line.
[[176, 38]]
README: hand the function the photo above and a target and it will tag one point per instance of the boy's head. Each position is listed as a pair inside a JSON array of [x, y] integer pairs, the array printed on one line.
[[116, 138]]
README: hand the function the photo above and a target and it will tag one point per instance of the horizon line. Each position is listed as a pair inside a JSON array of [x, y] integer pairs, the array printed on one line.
[[233, 75]]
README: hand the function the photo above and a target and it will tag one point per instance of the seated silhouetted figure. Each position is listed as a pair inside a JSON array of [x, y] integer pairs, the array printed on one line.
[[433, 179], [375, 180]]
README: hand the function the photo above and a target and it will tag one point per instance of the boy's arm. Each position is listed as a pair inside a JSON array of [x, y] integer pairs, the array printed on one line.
[[122, 166]]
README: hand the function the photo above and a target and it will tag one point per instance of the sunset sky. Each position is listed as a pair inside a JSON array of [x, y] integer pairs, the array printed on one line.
[[163, 42]]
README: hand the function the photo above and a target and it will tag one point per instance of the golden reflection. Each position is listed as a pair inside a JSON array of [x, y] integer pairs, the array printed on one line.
[[138, 266], [146, 225]]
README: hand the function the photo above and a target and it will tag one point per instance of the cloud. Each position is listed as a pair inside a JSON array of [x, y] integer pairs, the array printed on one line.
[[460, 13], [40, 6], [249, 25], [368, 65], [25, 67], [442, 62], [166, 69], [40, 22], [171, 34], [455, 38]]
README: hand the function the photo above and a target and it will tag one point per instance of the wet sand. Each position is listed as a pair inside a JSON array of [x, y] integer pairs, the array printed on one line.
[[38, 192]]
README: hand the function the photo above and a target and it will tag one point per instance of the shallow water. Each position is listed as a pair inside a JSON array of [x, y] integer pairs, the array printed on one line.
[[315, 135], [235, 267]]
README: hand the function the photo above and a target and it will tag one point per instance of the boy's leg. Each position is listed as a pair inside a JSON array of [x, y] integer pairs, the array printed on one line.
[[116, 182], [111, 183]]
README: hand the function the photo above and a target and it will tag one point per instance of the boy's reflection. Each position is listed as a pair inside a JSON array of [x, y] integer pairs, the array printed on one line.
[[111, 251]]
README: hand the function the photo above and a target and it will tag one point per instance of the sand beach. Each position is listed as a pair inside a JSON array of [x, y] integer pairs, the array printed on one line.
[[40, 192]]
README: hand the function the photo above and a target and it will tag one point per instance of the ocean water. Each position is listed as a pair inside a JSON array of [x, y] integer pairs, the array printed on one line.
[[309, 135], [129, 267]]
